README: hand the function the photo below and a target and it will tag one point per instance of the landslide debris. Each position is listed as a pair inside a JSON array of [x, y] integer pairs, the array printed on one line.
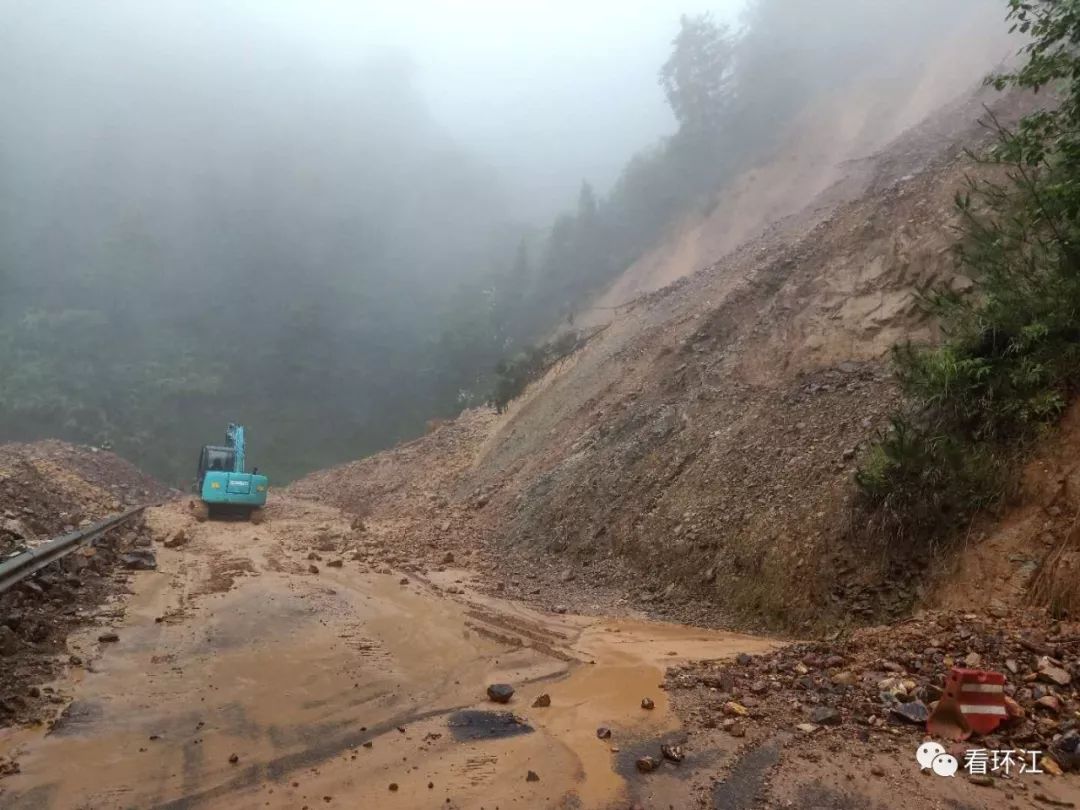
[[878, 684], [46, 489], [51, 487]]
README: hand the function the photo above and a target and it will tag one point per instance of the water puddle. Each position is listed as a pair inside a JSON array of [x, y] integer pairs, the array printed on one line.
[[475, 724]]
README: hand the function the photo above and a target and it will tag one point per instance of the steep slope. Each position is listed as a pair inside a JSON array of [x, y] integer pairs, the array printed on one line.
[[696, 456], [817, 164]]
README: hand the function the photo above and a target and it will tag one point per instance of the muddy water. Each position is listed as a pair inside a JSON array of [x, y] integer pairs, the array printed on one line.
[[331, 688]]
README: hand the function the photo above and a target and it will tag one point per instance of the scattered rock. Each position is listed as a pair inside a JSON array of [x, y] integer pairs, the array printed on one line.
[[177, 540], [234, 758], [647, 703], [393, 786], [1050, 703], [914, 712], [108, 637], [335, 564], [542, 701], [313, 569], [531, 776], [647, 764], [1054, 674], [603, 733], [500, 692], [825, 716], [139, 559], [1050, 765], [672, 753]]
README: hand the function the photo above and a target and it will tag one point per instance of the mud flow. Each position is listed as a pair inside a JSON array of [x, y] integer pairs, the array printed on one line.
[[249, 675]]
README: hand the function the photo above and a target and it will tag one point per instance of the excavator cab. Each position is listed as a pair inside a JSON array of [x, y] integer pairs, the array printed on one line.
[[217, 459], [223, 487]]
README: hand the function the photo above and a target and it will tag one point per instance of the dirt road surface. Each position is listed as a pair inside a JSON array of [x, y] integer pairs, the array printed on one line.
[[251, 672]]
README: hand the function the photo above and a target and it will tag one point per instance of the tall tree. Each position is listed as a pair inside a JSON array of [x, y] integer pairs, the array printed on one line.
[[697, 78]]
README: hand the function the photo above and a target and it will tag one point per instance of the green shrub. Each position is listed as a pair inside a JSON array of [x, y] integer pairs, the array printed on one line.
[[1010, 360]]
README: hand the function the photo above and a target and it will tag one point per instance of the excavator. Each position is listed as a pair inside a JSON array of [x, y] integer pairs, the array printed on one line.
[[223, 487]]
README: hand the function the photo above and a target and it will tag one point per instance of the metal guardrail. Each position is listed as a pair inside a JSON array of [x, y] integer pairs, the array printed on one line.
[[22, 564]]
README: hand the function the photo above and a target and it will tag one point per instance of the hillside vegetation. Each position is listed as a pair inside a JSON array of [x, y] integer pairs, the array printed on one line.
[[1009, 363]]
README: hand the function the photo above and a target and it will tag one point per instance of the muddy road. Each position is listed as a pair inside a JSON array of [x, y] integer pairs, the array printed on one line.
[[257, 668]]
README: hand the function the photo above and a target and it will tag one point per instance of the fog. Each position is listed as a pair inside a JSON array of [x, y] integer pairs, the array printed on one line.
[[332, 219], [548, 93]]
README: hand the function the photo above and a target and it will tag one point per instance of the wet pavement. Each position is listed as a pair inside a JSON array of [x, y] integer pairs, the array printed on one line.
[[243, 680]]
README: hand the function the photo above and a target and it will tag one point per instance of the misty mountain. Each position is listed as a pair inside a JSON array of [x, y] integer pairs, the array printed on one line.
[[212, 216]]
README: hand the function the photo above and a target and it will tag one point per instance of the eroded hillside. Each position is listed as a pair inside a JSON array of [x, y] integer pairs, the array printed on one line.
[[697, 455]]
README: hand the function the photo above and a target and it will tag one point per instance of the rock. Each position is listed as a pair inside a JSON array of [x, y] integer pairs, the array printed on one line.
[[448, 558], [603, 733], [972, 660], [672, 752], [542, 701], [15, 530], [914, 712], [500, 692], [531, 776], [736, 729], [735, 709], [1050, 765], [393, 787], [1013, 709], [313, 569], [139, 560], [825, 716], [1050, 703], [403, 581], [177, 540], [1066, 751], [982, 781], [234, 758], [807, 728], [844, 678], [647, 703], [9, 642], [108, 637], [877, 770], [335, 564], [647, 764], [743, 659], [893, 687], [1055, 675]]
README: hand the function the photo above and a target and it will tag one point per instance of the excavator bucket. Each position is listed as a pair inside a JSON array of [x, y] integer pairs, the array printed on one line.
[[973, 703]]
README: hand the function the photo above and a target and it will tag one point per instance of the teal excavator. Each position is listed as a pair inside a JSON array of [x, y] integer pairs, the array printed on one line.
[[223, 486]]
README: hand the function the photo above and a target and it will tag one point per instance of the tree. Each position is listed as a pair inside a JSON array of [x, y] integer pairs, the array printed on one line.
[[697, 78], [1010, 362]]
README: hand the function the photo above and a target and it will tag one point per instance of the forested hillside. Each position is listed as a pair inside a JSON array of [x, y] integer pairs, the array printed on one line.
[[184, 243]]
